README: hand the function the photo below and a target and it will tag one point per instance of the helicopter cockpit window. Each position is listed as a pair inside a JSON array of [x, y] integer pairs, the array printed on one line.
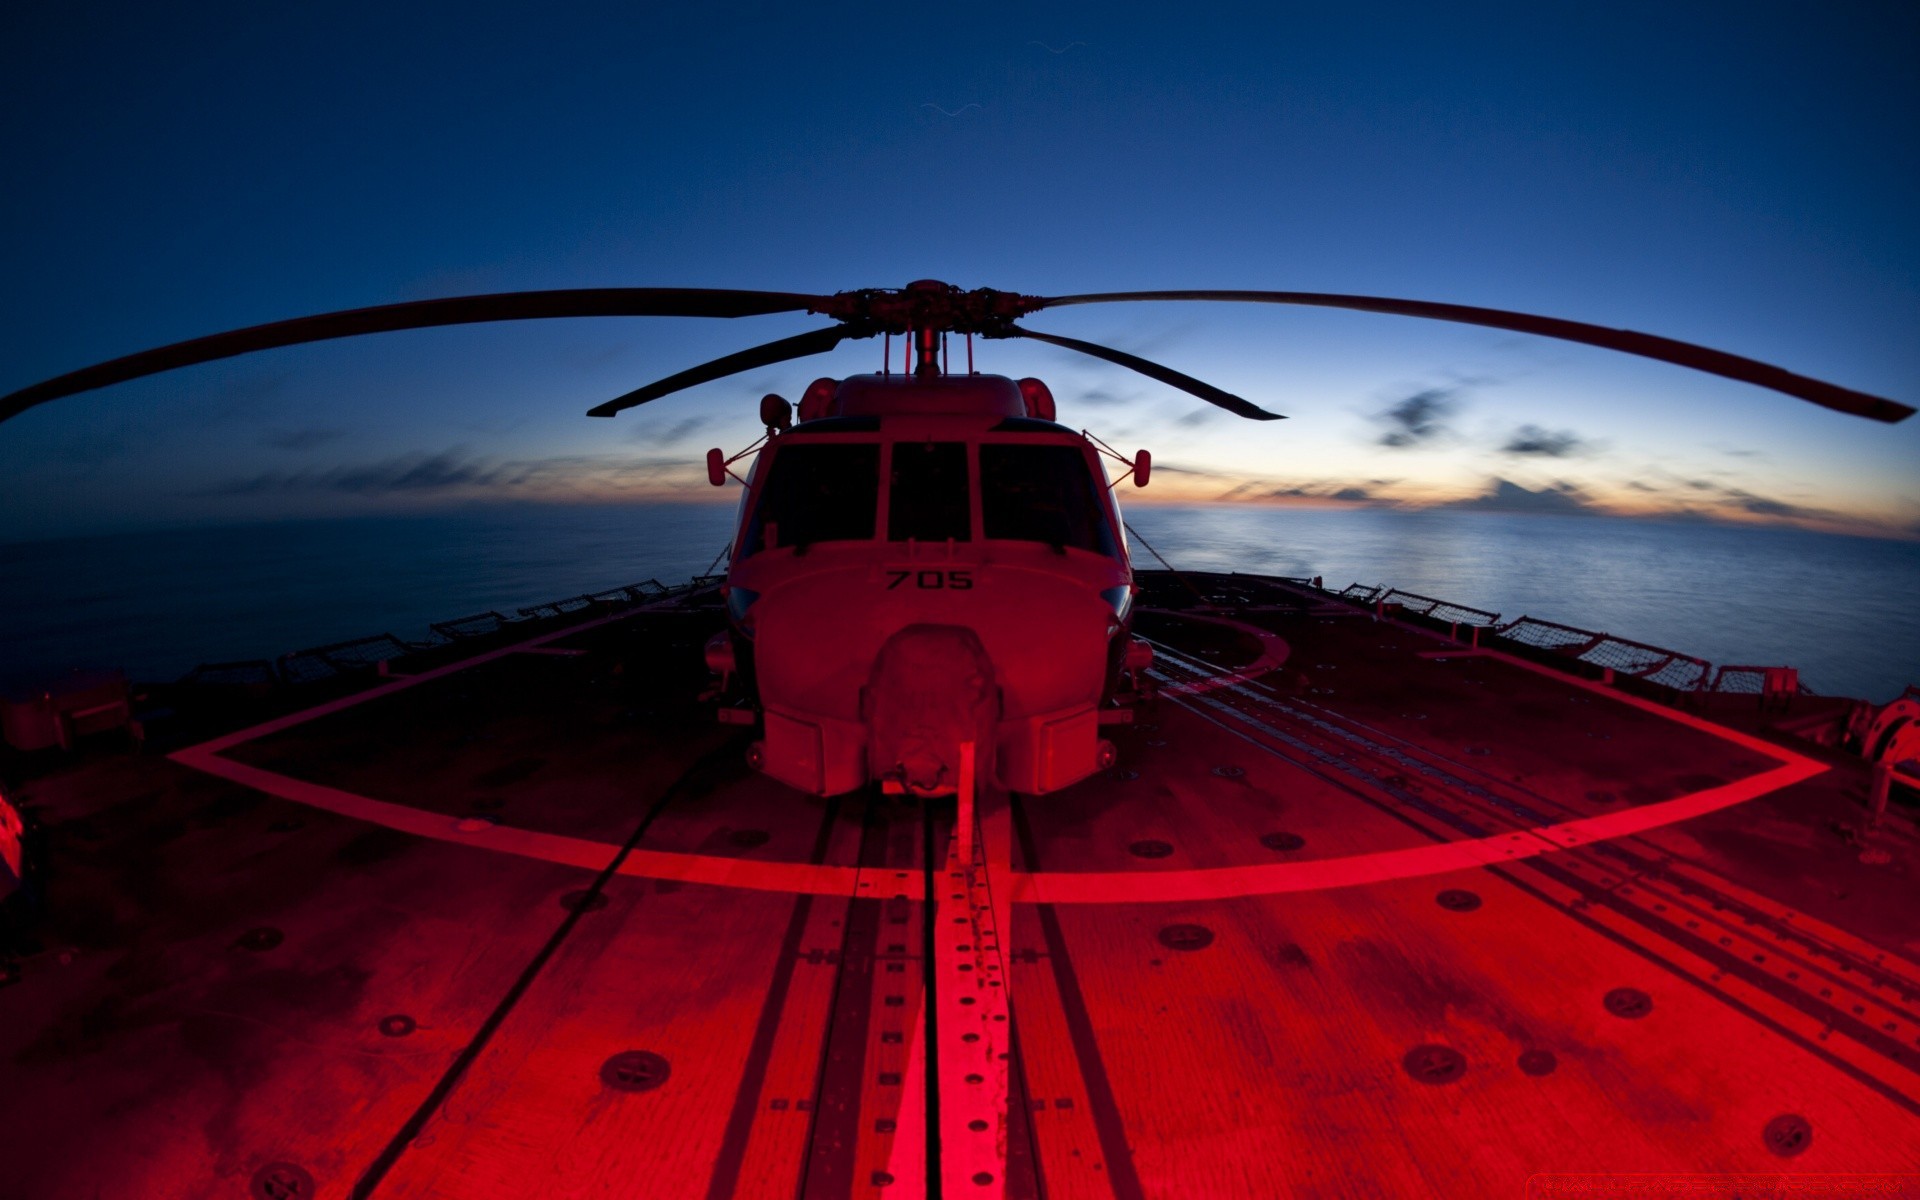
[[928, 499], [1045, 494], [817, 493]]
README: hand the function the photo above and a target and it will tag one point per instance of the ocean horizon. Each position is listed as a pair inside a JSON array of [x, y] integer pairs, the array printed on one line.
[[157, 602]]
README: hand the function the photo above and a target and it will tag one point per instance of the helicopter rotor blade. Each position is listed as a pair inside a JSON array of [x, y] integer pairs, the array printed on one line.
[[416, 314], [817, 341], [1167, 375], [1646, 345]]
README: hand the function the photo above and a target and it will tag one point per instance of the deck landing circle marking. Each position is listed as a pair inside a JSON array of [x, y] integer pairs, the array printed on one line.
[[1057, 887]]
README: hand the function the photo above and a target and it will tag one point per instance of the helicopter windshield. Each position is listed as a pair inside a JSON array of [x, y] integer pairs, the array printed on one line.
[[927, 499], [817, 493], [1042, 493]]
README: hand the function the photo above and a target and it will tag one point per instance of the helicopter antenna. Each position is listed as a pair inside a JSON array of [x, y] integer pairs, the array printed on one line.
[[1204, 602]]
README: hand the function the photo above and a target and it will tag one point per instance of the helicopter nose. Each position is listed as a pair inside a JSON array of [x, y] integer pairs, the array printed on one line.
[[931, 689]]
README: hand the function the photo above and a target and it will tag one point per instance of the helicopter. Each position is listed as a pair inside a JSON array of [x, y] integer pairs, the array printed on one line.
[[929, 579]]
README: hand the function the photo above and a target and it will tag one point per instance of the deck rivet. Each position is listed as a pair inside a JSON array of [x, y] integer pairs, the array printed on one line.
[[264, 937], [583, 900], [1149, 848], [747, 839], [1434, 1063], [1630, 1003], [1788, 1134], [1186, 937], [398, 1025], [1538, 1062], [1282, 841], [1458, 900], [1229, 771], [282, 1181], [634, 1071]]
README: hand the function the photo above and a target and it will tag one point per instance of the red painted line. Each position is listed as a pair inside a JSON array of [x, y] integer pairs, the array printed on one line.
[[751, 874], [1269, 879], [1060, 887], [1091, 887]]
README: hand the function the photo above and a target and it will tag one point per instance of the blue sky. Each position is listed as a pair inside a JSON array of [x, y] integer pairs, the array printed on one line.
[[1744, 176]]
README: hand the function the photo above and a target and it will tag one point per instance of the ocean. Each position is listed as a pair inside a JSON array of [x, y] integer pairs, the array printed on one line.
[[1842, 609]]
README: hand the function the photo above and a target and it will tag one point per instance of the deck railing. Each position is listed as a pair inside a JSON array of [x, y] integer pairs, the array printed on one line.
[[369, 653], [1612, 655]]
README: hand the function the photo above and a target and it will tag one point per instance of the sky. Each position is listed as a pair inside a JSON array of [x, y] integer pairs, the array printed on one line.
[[1741, 175]]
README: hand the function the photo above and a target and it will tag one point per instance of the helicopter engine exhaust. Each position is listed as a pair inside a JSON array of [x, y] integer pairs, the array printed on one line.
[[932, 688]]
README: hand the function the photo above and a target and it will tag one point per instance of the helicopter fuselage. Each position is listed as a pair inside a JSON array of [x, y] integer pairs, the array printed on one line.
[[924, 565]]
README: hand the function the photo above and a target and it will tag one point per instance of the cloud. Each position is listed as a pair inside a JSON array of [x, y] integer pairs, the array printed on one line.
[[1417, 419], [679, 431], [1545, 443], [300, 439], [1327, 490], [1504, 495], [1197, 417], [1766, 506], [453, 471], [1101, 398], [1639, 486]]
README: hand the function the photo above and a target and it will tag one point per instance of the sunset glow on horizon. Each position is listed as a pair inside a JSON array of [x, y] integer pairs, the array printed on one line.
[[1744, 181]]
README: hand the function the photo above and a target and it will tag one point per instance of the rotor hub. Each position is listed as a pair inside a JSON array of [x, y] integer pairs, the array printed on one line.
[[928, 304]]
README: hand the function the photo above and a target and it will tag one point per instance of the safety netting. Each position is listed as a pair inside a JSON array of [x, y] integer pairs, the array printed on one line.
[[1438, 610], [1655, 665], [478, 625], [1623, 656], [339, 658]]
